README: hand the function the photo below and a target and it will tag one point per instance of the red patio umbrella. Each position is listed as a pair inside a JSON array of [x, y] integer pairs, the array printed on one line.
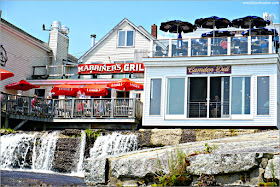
[[5, 74], [125, 85], [65, 89], [94, 90], [21, 85]]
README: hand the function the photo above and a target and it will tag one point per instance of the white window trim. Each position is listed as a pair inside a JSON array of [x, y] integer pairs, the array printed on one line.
[[149, 101], [243, 116], [269, 96], [170, 116], [125, 39]]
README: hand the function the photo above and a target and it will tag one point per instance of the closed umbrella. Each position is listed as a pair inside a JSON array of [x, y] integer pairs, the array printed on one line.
[[94, 90], [21, 85], [65, 89], [250, 22], [5, 74], [125, 85]]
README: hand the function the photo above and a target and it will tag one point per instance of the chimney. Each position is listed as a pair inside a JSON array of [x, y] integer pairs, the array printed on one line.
[[154, 30], [93, 36]]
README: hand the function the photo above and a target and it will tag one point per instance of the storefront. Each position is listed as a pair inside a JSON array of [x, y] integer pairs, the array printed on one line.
[[217, 91]]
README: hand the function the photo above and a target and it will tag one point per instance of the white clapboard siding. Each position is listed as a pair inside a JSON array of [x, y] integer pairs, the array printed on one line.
[[252, 70], [108, 52], [22, 55]]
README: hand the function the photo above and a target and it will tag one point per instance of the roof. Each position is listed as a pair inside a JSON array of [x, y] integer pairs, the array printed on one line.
[[140, 30], [25, 33]]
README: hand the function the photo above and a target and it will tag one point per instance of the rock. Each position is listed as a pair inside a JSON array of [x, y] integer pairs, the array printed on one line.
[[221, 163], [95, 170], [71, 132], [273, 168], [264, 162], [166, 136], [188, 135]]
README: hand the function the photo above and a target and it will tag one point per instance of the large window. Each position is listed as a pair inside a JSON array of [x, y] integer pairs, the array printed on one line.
[[155, 97], [241, 95], [175, 96], [263, 96], [126, 39]]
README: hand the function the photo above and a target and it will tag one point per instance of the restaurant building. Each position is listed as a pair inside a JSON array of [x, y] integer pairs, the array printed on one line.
[[204, 85]]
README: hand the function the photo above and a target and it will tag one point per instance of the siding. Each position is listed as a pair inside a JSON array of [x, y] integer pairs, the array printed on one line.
[[21, 57], [108, 52], [253, 70]]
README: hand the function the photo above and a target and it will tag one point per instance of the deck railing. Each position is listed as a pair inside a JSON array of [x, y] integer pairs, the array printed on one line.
[[72, 108], [235, 45]]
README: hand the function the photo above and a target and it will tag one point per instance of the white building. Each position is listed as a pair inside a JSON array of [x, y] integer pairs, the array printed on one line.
[[206, 85]]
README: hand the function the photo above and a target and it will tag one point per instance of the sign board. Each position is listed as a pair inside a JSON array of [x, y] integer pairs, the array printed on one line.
[[111, 68], [193, 70]]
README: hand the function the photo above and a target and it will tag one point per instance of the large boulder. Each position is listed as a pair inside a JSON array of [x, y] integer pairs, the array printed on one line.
[[94, 170], [272, 169]]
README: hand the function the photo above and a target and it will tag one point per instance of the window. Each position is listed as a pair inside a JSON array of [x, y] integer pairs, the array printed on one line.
[[263, 96], [126, 39], [175, 96], [40, 92], [241, 95], [155, 97]]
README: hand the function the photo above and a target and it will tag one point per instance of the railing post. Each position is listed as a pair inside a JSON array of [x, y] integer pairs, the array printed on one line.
[[112, 108], [92, 108], [209, 47], [249, 45], [72, 108], [228, 45], [170, 48], [134, 107], [189, 47], [53, 113], [270, 44], [29, 105]]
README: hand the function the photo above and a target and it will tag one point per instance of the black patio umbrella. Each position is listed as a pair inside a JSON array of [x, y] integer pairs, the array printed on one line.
[[177, 26], [218, 34], [212, 22], [249, 22], [260, 31]]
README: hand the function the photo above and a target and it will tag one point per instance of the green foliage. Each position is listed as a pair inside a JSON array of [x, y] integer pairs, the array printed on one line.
[[268, 184], [209, 149], [92, 134], [177, 171], [272, 170], [9, 130]]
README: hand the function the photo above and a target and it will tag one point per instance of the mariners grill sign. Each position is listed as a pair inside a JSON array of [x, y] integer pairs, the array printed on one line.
[[192, 70], [111, 68]]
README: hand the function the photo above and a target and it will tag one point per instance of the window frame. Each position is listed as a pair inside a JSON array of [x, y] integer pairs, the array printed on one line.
[[125, 39], [269, 95], [161, 87]]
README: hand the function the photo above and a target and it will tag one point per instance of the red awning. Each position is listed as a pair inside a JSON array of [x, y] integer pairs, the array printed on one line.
[[5, 74], [65, 89], [21, 85], [94, 90], [125, 85]]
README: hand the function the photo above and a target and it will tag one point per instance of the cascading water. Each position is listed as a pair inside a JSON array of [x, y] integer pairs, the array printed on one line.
[[80, 156], [16, 149], [113, 144], [43, 151], [28, 151]]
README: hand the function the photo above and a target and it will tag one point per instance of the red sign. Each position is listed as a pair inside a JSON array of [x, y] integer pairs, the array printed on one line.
[[111, 68], [208, 70]]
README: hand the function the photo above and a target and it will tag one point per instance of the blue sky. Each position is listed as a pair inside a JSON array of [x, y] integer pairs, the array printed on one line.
[[99, 17]]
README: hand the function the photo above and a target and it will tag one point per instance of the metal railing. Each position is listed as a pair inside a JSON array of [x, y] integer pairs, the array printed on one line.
[[71, 108], [214, 46], [216, 110]]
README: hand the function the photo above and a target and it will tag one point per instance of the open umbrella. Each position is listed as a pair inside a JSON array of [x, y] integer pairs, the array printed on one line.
[[94, 90], [249, 22], [212, 23], [260, 31], [65, 89], [218, 33], [125, 85], [5, 74], [21, 85]]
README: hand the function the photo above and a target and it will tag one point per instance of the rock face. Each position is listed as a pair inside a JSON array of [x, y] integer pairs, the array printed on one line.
[[95, 171], [272, 169], [65, 154], [213, 164]]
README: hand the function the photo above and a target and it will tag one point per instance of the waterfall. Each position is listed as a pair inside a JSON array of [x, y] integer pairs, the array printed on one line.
[[80, 157], [28, 151], [15, 150], [113, 144], [43, 151]]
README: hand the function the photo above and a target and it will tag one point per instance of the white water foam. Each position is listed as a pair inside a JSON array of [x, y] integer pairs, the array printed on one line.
[[80, 158]]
